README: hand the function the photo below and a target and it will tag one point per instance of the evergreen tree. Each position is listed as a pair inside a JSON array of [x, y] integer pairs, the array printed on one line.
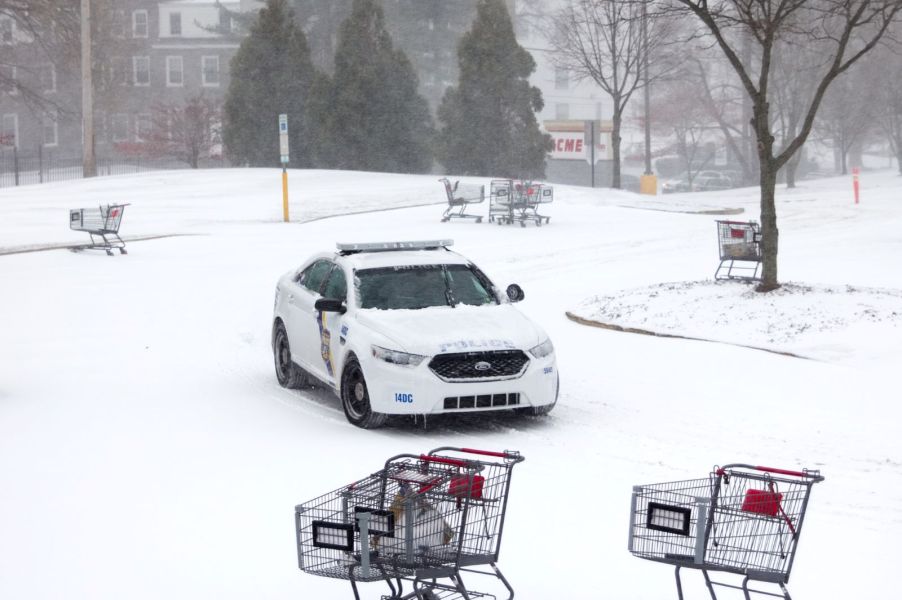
[[371, 116], [490, 126], [271, 74]]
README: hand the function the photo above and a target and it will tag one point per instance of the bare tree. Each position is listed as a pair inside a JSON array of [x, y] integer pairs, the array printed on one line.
[[845, 30], [607, 41], [678, 111], [846, 117], [188, 132], [887, 100]]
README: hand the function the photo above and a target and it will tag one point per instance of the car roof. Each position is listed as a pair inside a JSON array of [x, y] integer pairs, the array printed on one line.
[[393, 258]]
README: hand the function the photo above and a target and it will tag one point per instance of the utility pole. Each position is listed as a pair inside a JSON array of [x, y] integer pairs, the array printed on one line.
[[89, 163], [648, 183]]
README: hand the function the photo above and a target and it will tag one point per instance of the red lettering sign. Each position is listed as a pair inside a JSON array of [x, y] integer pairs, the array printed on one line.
[[568, 146]]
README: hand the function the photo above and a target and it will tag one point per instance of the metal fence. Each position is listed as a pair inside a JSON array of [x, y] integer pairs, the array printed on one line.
[[17, 169]]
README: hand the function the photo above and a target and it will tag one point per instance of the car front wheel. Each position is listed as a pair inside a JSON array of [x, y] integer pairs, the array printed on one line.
[[355, 397], [287, 373]]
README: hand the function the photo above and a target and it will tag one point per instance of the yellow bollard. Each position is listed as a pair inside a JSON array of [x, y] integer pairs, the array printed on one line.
[[648, 184]]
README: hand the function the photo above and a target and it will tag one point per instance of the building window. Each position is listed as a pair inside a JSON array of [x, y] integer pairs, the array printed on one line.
[[141, 68], [143, 127], [9, 134], [7, 31], [119, 125], [561, 111], [174, 72], [117, 24], [47, 76], [139, 24], [561, 79], [50, 129], [175, 23], [210, 71], [118, 70]]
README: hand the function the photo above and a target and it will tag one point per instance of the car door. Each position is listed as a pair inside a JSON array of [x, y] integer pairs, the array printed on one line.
[[330, 326], [303, 329]]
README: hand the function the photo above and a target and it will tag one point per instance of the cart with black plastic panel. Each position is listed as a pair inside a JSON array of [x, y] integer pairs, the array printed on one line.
[[741, 519], [739, 243], [101, 222], [460, 196], [425, 519]]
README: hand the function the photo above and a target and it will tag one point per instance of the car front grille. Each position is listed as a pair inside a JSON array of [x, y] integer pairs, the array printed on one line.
[[498, 364], [482, 401]]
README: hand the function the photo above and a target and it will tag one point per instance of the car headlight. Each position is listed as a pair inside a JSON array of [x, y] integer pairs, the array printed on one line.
[[543, 349], [397, 358]]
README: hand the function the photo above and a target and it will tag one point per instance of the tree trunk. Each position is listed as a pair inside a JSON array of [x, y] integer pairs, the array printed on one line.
[[615, 146], [769, 234], [767, 177], [792, 166]]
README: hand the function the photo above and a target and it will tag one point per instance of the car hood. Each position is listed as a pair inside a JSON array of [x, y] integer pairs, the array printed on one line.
[[442, 329]]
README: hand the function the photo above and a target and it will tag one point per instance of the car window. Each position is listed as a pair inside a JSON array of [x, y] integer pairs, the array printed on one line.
[[421, 286], [313, 276], [336, 286], [467, 287]]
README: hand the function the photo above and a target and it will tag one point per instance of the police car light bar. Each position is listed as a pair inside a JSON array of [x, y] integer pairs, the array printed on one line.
[[386, 246]]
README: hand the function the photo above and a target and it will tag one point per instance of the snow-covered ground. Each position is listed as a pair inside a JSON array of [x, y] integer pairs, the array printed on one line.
[[146, 450]]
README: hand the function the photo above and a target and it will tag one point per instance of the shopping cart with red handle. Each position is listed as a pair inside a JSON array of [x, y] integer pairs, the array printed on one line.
[[422, 518], [102, 224], [741, 519]]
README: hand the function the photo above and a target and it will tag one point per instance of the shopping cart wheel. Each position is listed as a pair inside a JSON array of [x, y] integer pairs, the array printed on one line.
[[522, 223], [538, 222], [479, 219], [287, 373], [109, 252], [355, 397], [123, 251]]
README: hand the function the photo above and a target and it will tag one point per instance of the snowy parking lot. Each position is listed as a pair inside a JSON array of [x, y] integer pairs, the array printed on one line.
[[147, 451]]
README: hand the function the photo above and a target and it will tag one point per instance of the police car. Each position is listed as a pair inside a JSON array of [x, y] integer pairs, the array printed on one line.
[[409, 328]]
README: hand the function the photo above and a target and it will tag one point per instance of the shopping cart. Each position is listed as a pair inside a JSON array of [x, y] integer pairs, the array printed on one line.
[[424, 519], [518, 202], [741, 519], [100, 222], [460, 196], [740, 250]]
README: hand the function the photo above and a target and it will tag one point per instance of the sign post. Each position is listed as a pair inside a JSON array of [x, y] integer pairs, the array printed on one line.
[[855, 172], [283, 151]]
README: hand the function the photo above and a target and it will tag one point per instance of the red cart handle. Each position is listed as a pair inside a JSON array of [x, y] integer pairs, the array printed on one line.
[[811, 474], [506, 454]]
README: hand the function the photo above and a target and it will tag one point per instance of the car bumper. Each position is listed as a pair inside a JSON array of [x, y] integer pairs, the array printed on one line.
[[395, 389]]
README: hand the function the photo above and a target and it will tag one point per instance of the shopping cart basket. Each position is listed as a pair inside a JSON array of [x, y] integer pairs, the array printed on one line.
[[518, 202], [460, 196], [741, 519], [424, 519], [740, 250], [101, 222]]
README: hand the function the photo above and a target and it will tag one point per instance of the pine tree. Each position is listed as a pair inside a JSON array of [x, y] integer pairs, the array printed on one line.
[[490, 126], [271, 74], [371, 116]]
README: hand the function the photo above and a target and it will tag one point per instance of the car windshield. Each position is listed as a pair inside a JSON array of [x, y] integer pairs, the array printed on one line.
[[422, 286]]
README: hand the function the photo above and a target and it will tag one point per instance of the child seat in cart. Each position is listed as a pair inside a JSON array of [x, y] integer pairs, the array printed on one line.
[[740, 250], [460, 196], [513, 201], [741, 519], [101, 222], [424, 519]]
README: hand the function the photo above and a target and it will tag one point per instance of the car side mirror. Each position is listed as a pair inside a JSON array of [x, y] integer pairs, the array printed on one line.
[[330, 305], [515, 293]]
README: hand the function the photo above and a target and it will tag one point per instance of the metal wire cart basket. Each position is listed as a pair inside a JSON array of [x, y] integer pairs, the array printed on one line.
[[423, 519], [740, 250], [741, 519], [513, 201], [100, 222]]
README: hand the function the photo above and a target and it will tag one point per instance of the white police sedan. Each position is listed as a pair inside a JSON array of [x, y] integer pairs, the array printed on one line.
[[409, 328]]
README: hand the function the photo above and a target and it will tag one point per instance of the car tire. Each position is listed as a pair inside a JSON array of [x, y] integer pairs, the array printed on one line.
[[288, 374], [355, 397], [539, 411]]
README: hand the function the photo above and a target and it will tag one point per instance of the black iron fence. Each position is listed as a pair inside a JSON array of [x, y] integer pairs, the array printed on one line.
[[18, 169]]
